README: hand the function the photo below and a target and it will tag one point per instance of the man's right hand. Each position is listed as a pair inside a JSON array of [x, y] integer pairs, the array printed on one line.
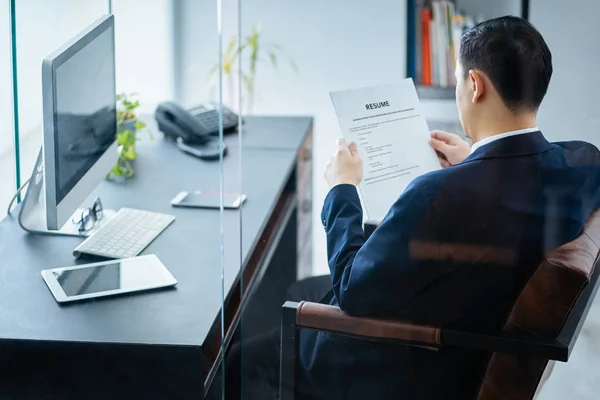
[[451, 149]]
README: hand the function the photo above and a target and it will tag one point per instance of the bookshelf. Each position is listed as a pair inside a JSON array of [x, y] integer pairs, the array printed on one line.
[[435, 92], [434, 28]]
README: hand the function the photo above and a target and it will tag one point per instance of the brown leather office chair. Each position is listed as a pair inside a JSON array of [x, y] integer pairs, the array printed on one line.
[[543, 325]]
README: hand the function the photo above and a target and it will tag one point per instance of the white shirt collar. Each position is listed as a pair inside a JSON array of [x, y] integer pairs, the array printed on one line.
[[493, 138]]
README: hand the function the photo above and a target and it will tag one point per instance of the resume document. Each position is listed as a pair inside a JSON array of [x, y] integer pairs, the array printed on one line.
[[392, 135]]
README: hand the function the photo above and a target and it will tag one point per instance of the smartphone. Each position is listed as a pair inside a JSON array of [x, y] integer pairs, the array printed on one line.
[[107, 278], [206, 199]]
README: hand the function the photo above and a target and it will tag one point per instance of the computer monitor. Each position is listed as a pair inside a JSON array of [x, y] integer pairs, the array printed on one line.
[[80, 120]]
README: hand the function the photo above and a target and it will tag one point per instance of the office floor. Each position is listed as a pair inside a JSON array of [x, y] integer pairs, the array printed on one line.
[[580, 377]]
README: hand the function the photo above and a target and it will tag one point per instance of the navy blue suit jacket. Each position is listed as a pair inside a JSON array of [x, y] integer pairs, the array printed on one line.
[[455, 250]]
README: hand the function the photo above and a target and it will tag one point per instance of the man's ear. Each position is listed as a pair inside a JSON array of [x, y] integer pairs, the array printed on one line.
[[477, 85]]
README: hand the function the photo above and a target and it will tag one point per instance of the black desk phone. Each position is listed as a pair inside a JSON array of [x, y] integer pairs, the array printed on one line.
[[196, 130]]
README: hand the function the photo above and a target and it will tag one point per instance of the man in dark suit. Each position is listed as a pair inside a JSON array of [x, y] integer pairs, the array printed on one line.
[[459, 244]]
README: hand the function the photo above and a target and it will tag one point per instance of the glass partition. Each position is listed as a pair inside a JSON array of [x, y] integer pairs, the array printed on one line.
[[204, 67], [410, 250], [150, 344], [276, 73], [446, 248], [7, 136], [211, 68]]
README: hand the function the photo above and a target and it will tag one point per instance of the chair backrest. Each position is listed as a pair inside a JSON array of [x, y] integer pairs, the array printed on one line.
[[540, 312]]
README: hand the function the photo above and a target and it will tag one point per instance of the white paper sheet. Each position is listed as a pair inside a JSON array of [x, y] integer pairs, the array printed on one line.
[[392, 136]]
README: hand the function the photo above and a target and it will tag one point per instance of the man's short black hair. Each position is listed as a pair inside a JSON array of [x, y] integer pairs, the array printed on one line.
[[514, 56]]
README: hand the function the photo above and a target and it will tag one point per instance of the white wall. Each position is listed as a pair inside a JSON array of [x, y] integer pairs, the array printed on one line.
[[195, 48], [144, 50], [486, 9], [570, 110], [6, 102], [337, 44]]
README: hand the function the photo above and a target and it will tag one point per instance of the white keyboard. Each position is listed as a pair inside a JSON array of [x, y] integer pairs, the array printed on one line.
[[126, 234]]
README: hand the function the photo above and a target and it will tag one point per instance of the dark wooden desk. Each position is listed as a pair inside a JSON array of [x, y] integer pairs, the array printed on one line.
[[162, 344]]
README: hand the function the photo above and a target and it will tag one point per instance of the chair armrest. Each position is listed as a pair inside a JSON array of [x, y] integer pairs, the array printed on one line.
[[328, 318], [323, 317]]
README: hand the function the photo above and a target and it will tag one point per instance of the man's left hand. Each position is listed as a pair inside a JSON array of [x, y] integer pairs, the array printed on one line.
[[345, 166]]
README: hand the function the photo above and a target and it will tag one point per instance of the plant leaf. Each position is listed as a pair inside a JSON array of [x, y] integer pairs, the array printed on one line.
[[273, 58], [139, 125], [248, 82], [294, 66], [211, 72], [231, 45], [116, 170], [129, 152], [122, 137], [242, 47]]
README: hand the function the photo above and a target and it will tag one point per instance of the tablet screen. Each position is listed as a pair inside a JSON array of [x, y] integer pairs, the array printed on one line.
[[90, 280]]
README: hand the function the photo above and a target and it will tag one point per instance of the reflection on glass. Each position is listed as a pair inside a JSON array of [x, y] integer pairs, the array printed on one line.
[[85, 111], [90, 280], [89, 216]]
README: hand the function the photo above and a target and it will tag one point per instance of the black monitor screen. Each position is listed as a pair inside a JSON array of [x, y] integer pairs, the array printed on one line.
[[85, 115]]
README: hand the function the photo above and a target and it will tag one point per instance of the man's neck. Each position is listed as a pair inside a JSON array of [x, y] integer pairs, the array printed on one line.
[[499, 126]]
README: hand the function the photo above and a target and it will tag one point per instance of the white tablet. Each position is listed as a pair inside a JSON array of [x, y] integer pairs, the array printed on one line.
[[107, 278]]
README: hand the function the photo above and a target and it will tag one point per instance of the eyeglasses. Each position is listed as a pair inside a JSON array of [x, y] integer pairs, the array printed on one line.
[[90, 216]]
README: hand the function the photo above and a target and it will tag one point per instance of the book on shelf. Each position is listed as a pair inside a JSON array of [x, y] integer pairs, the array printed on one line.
[[437, 28]]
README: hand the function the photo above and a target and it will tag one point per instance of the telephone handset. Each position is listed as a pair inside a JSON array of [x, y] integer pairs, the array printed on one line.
[[194, 130]]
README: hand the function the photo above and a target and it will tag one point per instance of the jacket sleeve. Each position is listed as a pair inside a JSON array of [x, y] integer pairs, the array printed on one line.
[[378, 275]]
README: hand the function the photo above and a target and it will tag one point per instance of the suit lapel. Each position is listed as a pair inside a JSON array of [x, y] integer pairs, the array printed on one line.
[[512, 146]]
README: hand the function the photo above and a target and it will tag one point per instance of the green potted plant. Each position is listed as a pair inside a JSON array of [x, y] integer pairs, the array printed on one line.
[[128, 127]]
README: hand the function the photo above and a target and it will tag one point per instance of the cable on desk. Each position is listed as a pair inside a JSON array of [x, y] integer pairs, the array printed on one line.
[[16, 195]]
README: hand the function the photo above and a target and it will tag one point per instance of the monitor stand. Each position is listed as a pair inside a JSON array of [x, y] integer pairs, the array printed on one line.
[[32, 215]]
